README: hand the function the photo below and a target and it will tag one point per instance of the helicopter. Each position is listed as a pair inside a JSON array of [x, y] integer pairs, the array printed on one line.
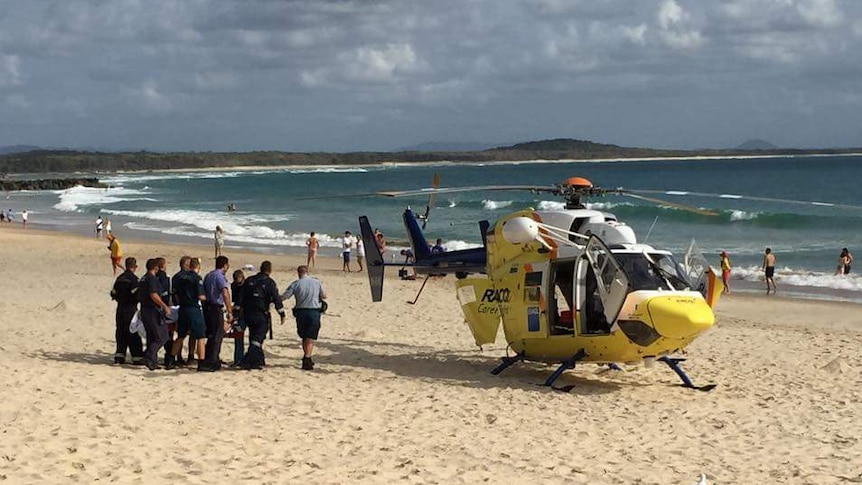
[[568, 286], [572, 285]]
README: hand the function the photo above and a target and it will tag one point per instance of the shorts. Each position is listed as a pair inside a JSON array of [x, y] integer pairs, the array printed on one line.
[[725, 274], [846, 269], [770, 271], [191, 320], [116, 260], [346, 256], [307, 322]]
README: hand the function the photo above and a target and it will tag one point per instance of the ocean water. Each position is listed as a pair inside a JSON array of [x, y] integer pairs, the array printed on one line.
[[274, 214]]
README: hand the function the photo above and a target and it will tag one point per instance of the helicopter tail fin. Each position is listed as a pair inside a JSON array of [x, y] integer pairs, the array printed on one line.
[[417, 240], [373, 259]]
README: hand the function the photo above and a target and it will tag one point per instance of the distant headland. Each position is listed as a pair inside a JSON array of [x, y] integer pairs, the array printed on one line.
[[68, 161]]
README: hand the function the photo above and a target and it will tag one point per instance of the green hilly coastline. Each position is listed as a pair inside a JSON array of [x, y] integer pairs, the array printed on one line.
[[65, 161]]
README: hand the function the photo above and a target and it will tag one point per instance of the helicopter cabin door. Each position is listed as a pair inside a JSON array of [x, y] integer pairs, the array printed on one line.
[[605, 286], [560, 297], [700, 274]]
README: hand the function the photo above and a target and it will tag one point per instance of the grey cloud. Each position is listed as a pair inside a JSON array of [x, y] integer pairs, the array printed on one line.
[[353, 75]]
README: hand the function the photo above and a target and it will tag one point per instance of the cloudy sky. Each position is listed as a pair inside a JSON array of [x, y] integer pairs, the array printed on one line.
[[324, 75]]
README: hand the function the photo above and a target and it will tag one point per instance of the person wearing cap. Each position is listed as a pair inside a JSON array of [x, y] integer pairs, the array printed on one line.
[[725, 272]]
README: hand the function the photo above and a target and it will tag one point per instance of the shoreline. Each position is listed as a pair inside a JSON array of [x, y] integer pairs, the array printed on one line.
[[739, 287], [277, 168]]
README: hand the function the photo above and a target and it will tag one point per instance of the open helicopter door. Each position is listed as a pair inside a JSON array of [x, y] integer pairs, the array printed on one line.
[[481, 310], [612, 283], [701, 275]]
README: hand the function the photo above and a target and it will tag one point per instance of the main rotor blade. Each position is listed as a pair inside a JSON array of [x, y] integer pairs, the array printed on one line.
[[453, 190], [689, 208], [746, 197]]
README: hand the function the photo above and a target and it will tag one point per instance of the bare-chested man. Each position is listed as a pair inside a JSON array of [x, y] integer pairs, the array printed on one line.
[[769, 270]]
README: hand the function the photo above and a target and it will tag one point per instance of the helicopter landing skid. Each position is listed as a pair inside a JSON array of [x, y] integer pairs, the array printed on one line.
[[507, 362], [673, 363], [565, 365]]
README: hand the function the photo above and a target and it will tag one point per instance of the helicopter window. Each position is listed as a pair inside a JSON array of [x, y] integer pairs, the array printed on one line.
[[533, 279], [644, 275], [576, 225]]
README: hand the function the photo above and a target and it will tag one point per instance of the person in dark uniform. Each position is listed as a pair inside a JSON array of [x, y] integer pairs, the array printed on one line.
[[258, 292], [216, 305], [239, 326], [165, 294], [188, 293], [153, 312], [125, 293]]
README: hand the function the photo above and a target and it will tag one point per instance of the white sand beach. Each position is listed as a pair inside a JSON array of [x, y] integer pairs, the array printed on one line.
[[401, 394]]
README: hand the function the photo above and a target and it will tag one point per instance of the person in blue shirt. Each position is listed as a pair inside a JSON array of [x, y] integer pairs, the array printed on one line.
[[217, 304], [438, 247], [309, 294]]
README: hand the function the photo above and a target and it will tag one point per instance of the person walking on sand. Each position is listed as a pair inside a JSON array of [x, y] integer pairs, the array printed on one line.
[[309, 294], [239, 325], [313, 245], [219, 241], [725, 272], [116, 253], [100, 226], [24, 216], [769, 270], [360, 253], [258, 293], [108, 229], [346, 243]]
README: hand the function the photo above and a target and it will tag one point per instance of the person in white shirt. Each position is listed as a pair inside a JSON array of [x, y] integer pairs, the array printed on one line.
[[347, 242], [360, 253], [24, 219]]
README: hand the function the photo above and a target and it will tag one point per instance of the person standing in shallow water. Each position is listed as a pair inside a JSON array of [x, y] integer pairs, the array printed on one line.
[[769, 270]]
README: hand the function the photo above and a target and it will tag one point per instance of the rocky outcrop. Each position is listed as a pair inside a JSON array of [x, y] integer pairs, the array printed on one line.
[[49, 184]]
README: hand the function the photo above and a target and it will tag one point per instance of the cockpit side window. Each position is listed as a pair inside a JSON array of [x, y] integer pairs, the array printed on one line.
[[643, 275]]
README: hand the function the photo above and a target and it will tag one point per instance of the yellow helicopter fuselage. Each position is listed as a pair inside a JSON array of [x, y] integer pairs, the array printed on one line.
[[620, 302]]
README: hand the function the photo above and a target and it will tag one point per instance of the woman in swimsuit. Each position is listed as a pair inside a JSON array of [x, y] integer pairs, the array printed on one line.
[[312, 245]]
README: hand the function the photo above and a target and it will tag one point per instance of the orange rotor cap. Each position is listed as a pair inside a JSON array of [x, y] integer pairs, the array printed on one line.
[[578, 182]]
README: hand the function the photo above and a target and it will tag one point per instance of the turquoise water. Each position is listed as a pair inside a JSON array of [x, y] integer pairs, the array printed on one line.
[[272, 215]]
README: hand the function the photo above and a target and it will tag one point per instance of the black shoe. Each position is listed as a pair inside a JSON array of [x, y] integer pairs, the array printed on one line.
[[170, 365], [180, 362], [152, 366], [138, 362], [307, 364], [207, 367], [119, 360], [191, 362]]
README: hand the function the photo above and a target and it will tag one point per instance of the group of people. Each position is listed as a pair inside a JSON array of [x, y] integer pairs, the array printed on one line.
[[204, 309], [9, 216], [845, 262], [351, 247]]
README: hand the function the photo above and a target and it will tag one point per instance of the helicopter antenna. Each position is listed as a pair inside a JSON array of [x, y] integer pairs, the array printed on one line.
[[650, 229]]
